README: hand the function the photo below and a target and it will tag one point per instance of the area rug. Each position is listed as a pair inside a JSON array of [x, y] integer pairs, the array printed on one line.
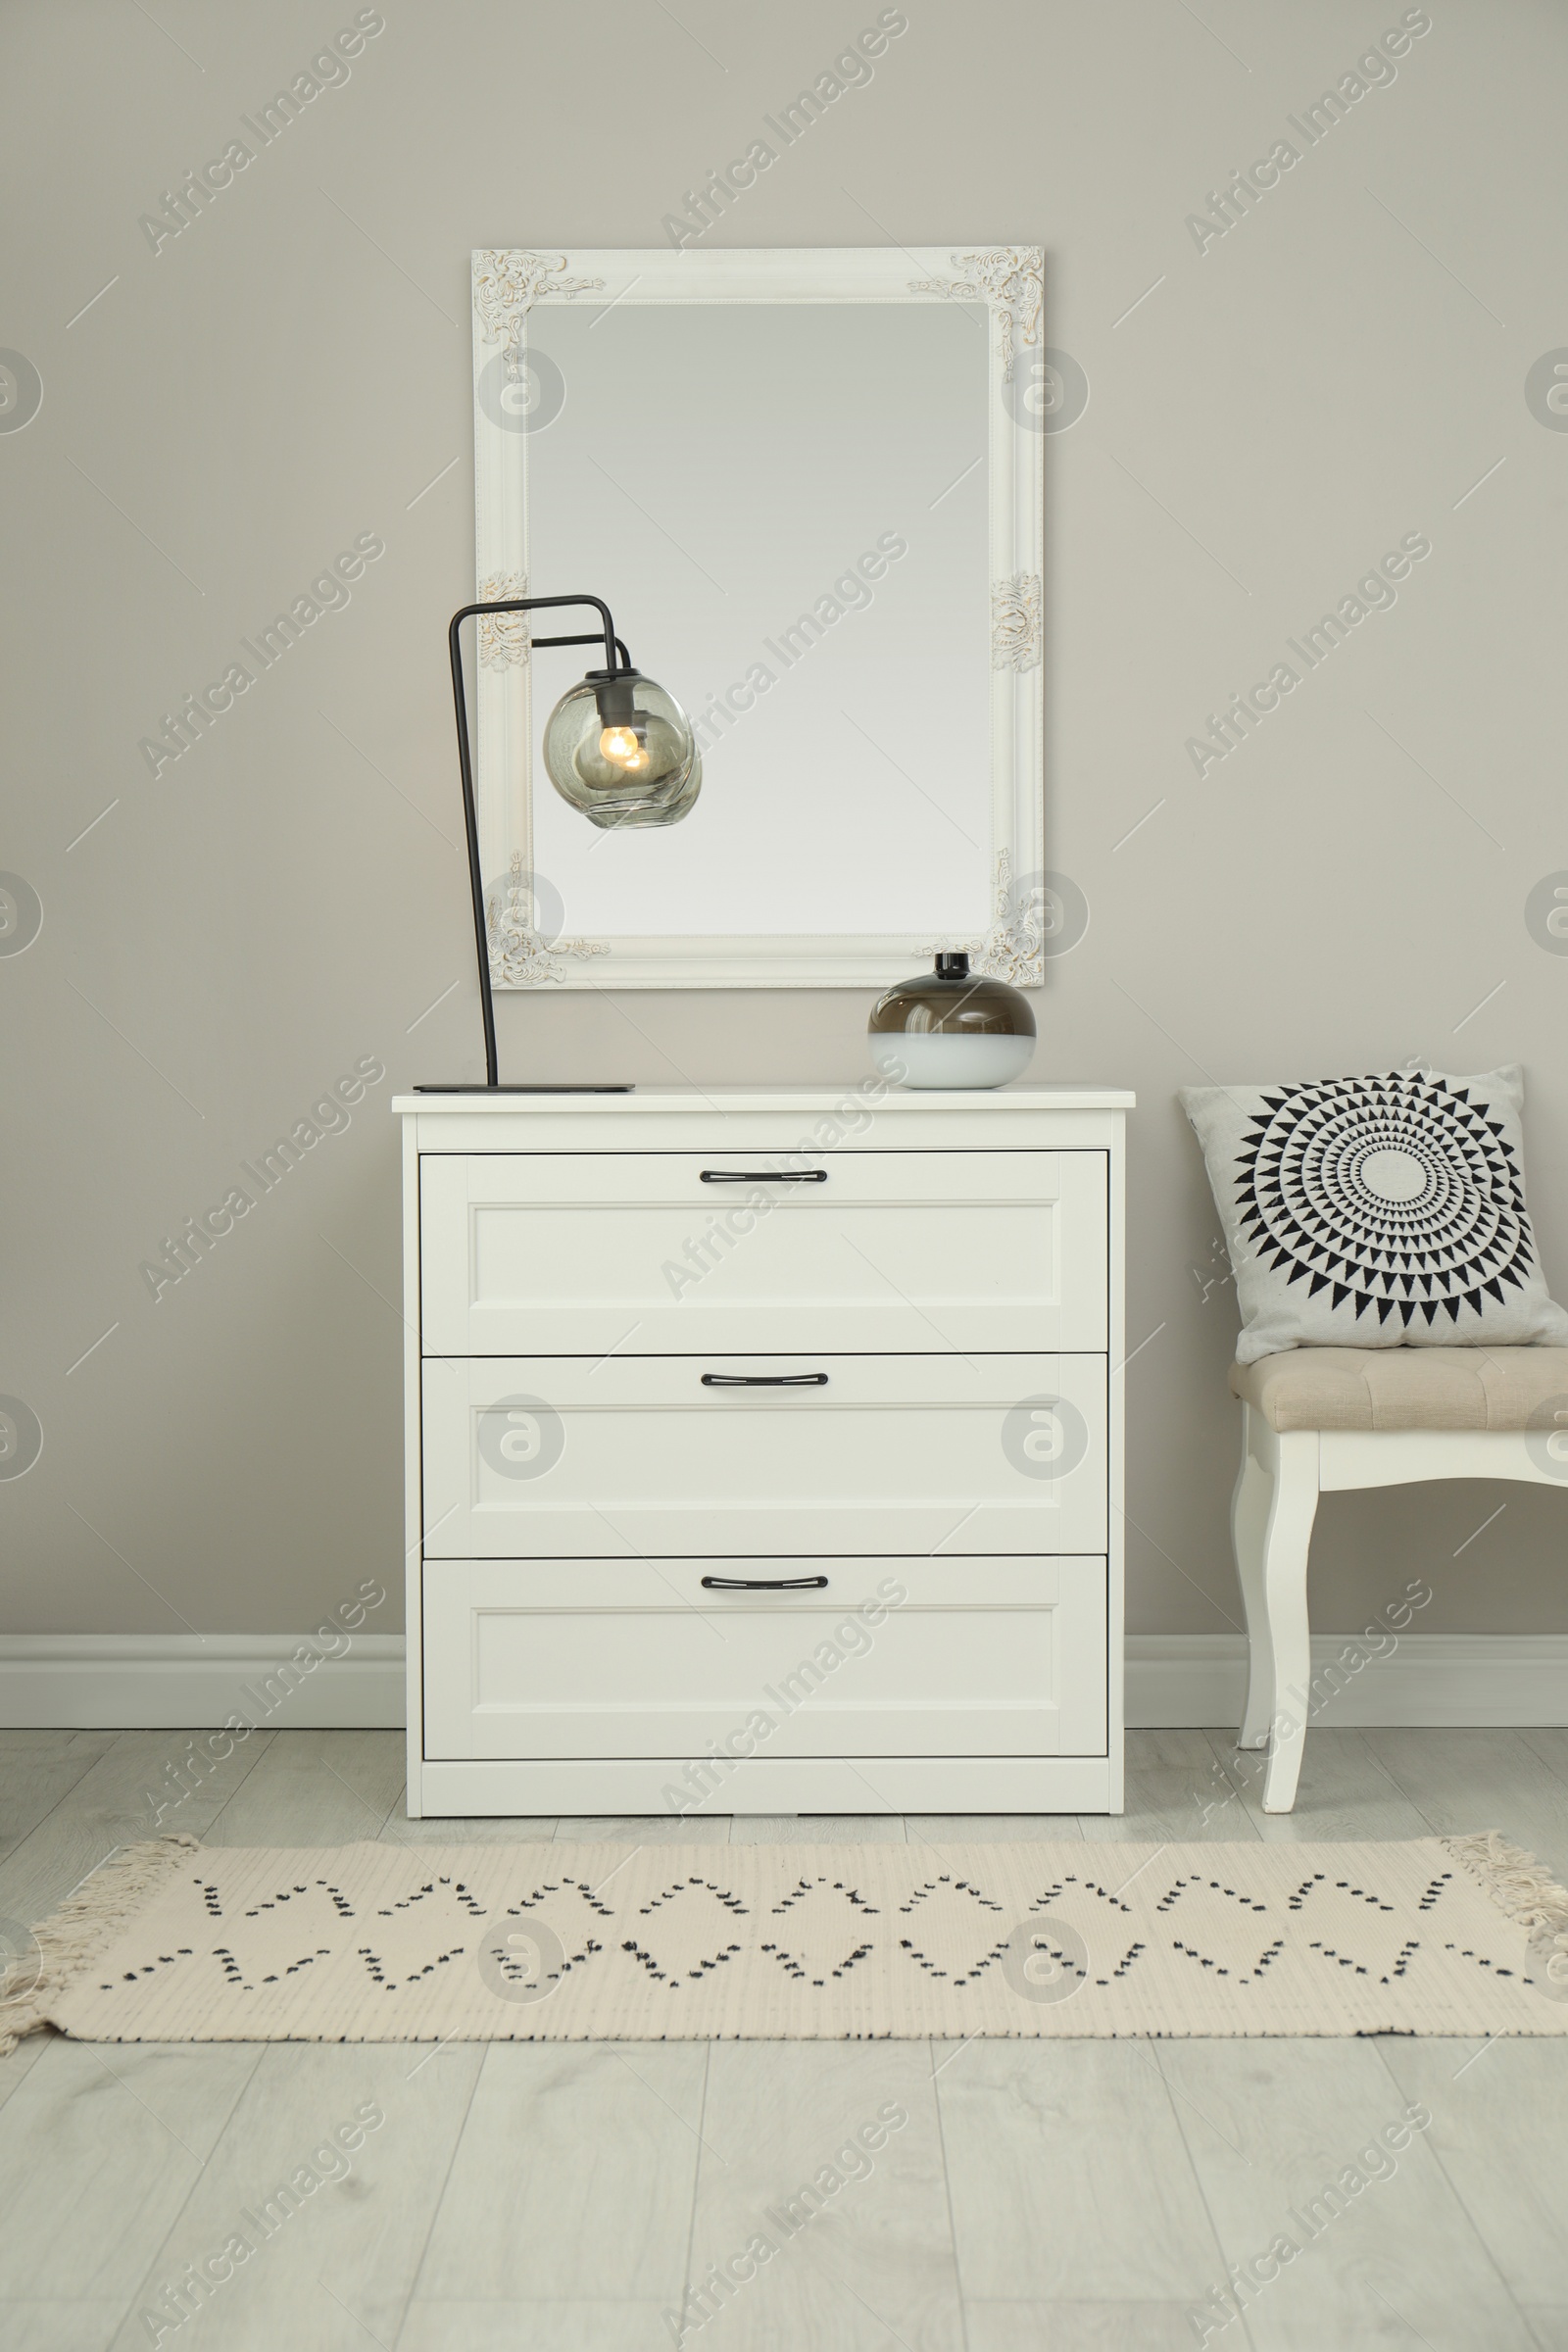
[[170, 1941]]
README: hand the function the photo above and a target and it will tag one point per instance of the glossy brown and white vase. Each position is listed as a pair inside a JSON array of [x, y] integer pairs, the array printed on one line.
[[949, 1027]]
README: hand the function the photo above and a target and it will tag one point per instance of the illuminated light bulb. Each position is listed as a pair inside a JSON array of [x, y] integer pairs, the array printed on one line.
[[621, 744]]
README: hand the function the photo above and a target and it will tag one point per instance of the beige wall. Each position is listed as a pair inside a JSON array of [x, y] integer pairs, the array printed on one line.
[[293, 370]]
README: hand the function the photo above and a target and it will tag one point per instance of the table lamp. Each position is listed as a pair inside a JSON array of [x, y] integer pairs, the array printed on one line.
[[617, 749]]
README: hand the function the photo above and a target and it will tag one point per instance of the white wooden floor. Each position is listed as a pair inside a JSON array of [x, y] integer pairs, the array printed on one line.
[[1048, 2195]]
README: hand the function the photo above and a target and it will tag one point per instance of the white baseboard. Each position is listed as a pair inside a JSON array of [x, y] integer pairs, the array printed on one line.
[[187, 1682], [95, 1682], [1421, 1679]]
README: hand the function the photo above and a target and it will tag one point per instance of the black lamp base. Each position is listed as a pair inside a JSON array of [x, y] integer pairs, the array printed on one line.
[[481, 1086]]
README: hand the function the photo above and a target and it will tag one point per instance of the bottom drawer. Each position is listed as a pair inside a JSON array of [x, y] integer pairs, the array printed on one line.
[[886, 1657]]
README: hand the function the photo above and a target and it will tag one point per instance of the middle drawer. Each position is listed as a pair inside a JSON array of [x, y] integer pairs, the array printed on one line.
[[554, 1456]]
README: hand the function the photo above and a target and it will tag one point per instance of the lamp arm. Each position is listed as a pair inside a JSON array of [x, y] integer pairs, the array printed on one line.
[[470, 815]]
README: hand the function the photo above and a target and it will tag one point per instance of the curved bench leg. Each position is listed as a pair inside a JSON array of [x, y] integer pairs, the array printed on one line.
[[1249, 1519], [1287, 1539]]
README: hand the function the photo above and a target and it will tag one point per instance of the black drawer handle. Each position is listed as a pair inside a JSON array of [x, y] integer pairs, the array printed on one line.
[[765, 1380], [763, 1176], [764, 1583]]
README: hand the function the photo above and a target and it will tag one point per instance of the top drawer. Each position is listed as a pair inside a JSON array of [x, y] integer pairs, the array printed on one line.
[[667, 1252]]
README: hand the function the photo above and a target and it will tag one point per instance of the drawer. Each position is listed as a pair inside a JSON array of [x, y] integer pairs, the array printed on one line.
[[607, 1658], [550, 1254], [554, 1456]]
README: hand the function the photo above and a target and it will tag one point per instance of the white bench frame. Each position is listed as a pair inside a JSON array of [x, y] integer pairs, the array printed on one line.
[[1272, 1510]]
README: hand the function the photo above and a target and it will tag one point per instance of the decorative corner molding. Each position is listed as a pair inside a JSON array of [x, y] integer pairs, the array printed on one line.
[[1013, 948], [504, 639], [520, 956], [1015, 621], [507, 286], [1012, 278]]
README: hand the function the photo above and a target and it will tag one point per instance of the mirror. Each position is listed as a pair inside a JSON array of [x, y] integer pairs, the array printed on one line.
[[807, 486]]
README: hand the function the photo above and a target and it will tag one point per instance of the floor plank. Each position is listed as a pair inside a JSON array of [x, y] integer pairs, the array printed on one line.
[[58, 2327], [1174, 1790], [1083, 2328], [483, 1829], [575, 2166], [126, 1794], [1480, 1780], [1345, 1793], [817, 1828], [1279, 2133], [554, 2327], [1069, 2176], [1499, 2129], [36, 1770], [995, 1828], [316, 1789], [15, 2070], [100, 2146], [644, 1828], [823, 2173], [1551, 1745], [328, 2171], [20, 1742]]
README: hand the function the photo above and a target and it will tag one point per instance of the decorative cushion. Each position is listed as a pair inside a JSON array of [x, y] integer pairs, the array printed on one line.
[[1406, 1387], [1383, 1212]]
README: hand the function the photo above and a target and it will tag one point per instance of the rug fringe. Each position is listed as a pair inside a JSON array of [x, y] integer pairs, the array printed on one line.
[[1524, 1889], [66, 1941]]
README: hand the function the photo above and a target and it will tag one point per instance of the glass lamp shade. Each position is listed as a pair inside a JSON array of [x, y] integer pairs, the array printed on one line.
[[621, 751], [949, 1028]]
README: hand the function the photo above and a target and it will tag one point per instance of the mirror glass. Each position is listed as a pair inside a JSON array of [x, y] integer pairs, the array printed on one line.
[[785, 509]]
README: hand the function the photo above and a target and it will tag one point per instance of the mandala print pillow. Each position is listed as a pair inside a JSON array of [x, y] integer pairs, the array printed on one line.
[[1376, 1213]]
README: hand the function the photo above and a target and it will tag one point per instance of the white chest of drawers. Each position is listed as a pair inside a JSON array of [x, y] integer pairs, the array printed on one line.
[[764, 1452]]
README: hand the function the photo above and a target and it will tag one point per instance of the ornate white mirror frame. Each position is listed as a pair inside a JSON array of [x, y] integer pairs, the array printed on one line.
[[534, 941]]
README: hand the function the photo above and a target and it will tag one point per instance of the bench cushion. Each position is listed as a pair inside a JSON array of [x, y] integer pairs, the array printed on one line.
[[1406, 1387]]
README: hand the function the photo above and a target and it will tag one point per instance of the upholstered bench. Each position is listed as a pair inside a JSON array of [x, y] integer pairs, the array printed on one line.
[[1315, 1419]]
